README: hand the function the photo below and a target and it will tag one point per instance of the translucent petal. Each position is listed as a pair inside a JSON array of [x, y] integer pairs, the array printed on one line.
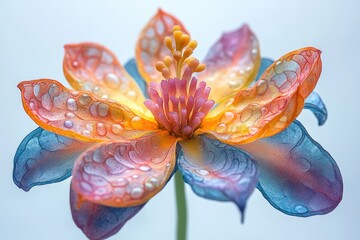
[[125, 174], [132, 69], [296, 175], [314, 103], [232, 63], [94, 68], [150, 47], [44, 157], [272, 103], [265, 64], [217, 171], [80, 115], [98, 221]]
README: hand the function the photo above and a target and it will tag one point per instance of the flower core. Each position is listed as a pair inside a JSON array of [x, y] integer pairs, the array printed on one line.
[[180, 102]]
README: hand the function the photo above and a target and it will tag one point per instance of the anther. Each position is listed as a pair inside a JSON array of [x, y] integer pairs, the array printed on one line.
[[168, 43]]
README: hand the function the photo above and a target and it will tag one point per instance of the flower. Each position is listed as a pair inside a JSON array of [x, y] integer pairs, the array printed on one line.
[[226, 130]]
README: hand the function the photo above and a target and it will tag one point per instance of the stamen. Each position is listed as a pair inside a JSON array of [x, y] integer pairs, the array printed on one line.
[[179, 103], [179, 106], [181, 56]]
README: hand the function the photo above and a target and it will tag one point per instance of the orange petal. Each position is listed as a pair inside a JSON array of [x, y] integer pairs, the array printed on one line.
[[80, 115], [125, 174], [94, 68], [272, 103], [150, 47], [232, 63]]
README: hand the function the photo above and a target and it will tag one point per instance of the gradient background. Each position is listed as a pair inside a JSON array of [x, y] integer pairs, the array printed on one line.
[[31, 46]]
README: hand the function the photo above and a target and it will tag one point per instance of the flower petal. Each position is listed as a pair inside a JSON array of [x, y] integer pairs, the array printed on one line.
[[132, 69], [217, 171], [265, 64], [314, 103], [94, 68], [272, 103], [296, 175], [232, 63], [80, 114], [97, 221], [150, 47], [44, 157], [125, 174]]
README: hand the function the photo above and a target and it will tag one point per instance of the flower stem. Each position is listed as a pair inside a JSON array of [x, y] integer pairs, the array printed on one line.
[[181, 207]]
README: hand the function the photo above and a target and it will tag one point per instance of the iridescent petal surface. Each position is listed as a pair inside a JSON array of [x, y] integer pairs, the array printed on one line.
[[271, 104], [94, 68], [97, 221], [231, 63], [125, 174], [44, 157], [150, 47], [217, 171], [296, 175], [80, 115], [314, 103]]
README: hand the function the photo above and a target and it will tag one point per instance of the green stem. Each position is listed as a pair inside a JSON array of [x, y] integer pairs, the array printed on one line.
[[181, 207]]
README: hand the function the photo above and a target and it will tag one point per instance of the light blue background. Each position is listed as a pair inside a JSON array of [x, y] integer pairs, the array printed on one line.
[[31, 46]]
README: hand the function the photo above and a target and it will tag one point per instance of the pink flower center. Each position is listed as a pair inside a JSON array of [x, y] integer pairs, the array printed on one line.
[[179, 103], [179, 106]]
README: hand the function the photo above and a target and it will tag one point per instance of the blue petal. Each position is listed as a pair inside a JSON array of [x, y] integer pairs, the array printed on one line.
[[217, 171], [296, 175], [97, 221], [314, 103], [44, 157], [132, 69], [265, 63]]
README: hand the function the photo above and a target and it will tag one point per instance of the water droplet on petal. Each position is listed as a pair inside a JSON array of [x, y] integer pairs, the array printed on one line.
[[71, 104], [145, 168], [202, 172], [136, 192], [221, 128], [301, 209], [68, 124]]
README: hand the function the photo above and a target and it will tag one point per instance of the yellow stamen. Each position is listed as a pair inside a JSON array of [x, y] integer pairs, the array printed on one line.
[[181, 55]]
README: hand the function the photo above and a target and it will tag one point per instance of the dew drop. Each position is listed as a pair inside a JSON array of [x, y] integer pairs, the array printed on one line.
[[101, 129], [69, 115], [131, 94], [36, 90], [116, 128], [75, 64], [136, 192], [301, 209], [112, 80], [68, 124], [71, 104], [103, 109], [86, 133], [145, 168], [32, 105], [84, 99], [149, 186], [120, 182], [227, 117], [221, 128], [135, 176], [154, 181], [202, 172]]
